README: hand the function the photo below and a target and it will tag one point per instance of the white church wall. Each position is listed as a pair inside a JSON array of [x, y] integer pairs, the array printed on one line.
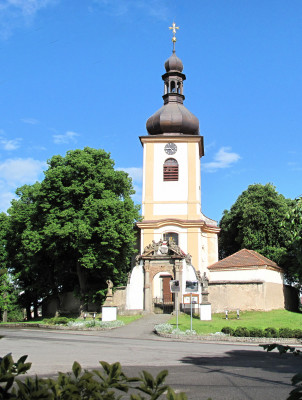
[[172, 191], [198, 180], [168, 209], [144, 180], [247, 275], [203, 245], [135, 289], [212, 248]]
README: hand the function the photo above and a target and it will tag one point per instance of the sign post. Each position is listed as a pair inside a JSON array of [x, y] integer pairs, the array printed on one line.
[[191, 287], [175, 288]]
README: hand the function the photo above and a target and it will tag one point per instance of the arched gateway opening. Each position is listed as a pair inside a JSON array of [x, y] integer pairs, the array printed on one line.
[[162, 300]]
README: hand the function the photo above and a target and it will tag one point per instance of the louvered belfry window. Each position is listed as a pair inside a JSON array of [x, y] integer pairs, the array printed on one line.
[[171, 170]]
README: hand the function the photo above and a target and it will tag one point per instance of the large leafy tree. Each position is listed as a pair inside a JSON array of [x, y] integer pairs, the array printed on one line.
[[78, 228], [26, 253], [292, 259], [254, 222]]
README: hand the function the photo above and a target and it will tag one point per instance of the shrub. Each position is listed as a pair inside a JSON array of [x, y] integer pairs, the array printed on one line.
[[227, 330], [81, 384], [271, 332], [164, 328], [286, 333], [15, 315], [93, 323], [58, 321], [297, 333], [256, 332], [241, 332]]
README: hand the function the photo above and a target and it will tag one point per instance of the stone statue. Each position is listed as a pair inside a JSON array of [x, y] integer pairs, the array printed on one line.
[[189, 259], [110, 286]]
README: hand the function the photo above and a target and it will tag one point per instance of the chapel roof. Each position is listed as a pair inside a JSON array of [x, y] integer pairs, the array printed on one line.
[[242, 259]]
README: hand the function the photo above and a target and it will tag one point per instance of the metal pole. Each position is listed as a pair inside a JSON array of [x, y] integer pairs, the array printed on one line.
[[191, 312], [176, 310]]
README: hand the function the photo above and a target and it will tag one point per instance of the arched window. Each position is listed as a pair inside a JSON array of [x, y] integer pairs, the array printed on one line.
[[166, 87], [171, 170], [171, 235], [173, 88]]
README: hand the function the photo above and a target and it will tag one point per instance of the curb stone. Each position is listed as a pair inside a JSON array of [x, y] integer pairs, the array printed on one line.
[[56, 327], [230, 339]]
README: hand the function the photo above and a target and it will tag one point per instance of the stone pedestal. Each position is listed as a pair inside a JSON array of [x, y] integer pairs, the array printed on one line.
[[205, 312], [109, 313]]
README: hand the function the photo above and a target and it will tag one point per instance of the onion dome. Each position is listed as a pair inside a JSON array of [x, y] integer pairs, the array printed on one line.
[[174, 63], [173, 118]]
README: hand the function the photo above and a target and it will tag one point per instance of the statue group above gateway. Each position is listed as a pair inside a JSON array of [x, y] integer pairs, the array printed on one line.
[[163, 249]]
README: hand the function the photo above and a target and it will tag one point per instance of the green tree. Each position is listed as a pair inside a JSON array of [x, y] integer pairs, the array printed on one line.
[[26, 255], [254, 222], [74, 230], [292, 259]]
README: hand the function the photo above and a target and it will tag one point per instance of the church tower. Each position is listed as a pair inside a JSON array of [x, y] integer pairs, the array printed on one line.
[[171, 199]]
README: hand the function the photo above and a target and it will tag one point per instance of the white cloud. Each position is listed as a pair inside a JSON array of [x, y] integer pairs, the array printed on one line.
[[137, 178], [135, 173], [15, 13], [224, 158], [10, 145], [5, 199], [68, 137], [294, 166], [19, 171], [15, 173], [31, 121], [154, 8]]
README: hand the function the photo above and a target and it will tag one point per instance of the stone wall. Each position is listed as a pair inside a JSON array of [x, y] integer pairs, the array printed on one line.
[[119, 298], [255, 295], [66, 303]]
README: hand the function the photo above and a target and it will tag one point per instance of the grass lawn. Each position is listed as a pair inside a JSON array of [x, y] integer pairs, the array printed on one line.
[[248, 319]]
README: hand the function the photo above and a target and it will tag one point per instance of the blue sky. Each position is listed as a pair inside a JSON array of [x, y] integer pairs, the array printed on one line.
[[76, 73]]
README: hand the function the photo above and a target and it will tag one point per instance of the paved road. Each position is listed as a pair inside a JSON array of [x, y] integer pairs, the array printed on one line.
[[202, 370]]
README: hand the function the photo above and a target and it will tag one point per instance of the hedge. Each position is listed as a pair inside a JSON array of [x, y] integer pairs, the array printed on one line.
[[267, 332]]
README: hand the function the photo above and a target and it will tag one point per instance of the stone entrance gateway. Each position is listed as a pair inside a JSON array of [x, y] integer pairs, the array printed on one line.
[[162, 262]]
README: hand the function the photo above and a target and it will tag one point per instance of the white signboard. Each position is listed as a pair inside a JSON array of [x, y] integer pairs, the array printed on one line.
[[191, 286], [174, 286]]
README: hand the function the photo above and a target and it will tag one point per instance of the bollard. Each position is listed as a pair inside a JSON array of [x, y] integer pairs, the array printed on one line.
[[226, 314]]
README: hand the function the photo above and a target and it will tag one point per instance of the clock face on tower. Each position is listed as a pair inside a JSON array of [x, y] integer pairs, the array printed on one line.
[[170, 148]]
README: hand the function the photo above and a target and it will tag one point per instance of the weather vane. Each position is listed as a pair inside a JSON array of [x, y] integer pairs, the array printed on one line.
[[173, 28]]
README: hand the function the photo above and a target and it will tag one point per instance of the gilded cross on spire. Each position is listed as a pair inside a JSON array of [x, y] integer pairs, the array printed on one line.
[[173, 28]]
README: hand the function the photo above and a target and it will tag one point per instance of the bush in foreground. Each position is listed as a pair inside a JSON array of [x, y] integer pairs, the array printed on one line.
[[296, 393], [107, 384]]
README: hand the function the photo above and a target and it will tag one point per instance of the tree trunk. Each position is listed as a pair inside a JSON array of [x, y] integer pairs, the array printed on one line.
[[36, 315], [28, 312], [4, 316], [83, 287]]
